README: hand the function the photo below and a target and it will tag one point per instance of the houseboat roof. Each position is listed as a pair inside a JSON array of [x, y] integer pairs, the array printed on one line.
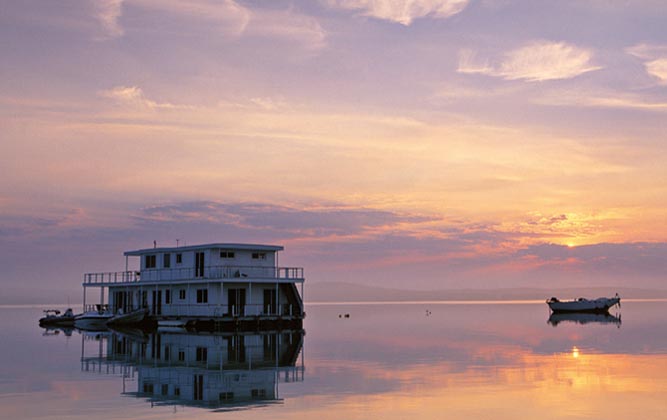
[[232, 247]]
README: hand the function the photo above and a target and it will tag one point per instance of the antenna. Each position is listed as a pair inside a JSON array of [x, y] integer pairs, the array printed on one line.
[[177, 241]]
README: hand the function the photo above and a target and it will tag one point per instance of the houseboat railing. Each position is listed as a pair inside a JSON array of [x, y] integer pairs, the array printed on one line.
[[190, 273], [219, 311], [194, 310], [112, 277]]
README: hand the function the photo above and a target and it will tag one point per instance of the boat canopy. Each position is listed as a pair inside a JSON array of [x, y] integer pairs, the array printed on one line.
[[231, 247]]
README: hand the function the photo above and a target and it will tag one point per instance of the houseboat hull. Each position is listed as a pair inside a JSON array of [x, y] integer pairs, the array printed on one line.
[[130, 318]]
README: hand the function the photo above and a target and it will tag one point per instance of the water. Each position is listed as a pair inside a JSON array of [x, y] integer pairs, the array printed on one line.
[[391, 361]]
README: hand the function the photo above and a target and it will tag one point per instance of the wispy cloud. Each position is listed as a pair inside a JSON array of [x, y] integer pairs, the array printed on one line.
[[537, 61], [226, 17], [284, 221], [403, 11], [599, 98], [289, 26], [134, 97], [655, 59], [107, 13]]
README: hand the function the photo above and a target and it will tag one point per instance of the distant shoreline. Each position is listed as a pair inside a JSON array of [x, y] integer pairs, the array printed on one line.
[[347, 293]]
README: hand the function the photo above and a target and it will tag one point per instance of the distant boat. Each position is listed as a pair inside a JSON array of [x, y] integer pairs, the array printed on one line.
[[130, 318], [599, 305], [583, 318], [53, 318], [93, 319]]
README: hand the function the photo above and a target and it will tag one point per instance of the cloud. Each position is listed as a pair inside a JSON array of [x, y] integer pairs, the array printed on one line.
[[403, 11], [107, 13], [282, 221], [654, 58], [289, 26], [538, 61], [658, 69], [598, 98], [227, 15], [611, 259], [133, 96]]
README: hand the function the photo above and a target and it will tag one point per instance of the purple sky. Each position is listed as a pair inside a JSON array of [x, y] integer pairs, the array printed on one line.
[[422, 144]]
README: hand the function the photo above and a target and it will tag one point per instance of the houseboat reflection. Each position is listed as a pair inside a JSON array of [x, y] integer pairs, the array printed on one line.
[[216, 371]]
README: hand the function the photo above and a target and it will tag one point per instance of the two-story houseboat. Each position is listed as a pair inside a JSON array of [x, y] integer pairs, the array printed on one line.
[[214, 286]]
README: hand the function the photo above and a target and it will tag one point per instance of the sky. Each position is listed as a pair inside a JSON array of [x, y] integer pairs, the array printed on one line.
[[418, 144]]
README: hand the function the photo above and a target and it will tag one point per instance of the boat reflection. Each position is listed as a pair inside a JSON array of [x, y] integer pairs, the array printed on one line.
[[53, 331], [221, 372], [584, 318]]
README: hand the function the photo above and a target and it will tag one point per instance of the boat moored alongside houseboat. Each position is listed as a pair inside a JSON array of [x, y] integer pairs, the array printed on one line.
[[220, 286]]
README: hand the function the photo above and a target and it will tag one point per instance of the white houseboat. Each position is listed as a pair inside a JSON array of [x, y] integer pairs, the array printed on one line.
[[221, 285]]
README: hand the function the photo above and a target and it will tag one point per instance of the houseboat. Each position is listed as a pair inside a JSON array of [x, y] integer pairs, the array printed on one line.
[[220, 286]]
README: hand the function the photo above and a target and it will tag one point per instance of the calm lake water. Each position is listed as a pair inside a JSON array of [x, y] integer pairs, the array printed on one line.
[[389, 361]]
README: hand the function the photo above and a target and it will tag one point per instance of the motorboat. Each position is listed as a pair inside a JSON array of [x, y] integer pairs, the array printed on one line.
[[93, 319], [599, 305], [584, 318], [129, 318], [53, 318]]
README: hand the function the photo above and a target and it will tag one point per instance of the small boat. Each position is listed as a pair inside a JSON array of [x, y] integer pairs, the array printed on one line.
[[599, 305], [130, 318], [95, 319], [53, 318]]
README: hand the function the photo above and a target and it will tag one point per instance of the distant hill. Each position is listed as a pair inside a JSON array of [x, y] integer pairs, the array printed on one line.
[[349, 292]]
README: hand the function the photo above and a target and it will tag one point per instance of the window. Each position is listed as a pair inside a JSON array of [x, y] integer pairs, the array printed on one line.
[[259, 255], [181, 294], [258, 393], [165, 389], [177, 392], [227, 254], [166, 260], [179, 258], [167, 296], [202, 354], [151, 261], [202, 295], [181, 356], [226, 396], [148, 388], [167, 353]]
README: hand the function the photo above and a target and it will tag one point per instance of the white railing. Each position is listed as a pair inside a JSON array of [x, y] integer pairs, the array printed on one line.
[[203, 273], [219, 311], [117, 277]]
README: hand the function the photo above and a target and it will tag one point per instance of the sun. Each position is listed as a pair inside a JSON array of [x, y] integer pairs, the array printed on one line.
[[570, 245]]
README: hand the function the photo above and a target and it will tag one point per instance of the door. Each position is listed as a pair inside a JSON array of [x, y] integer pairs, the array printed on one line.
[[236, 349], [157, 302], [236, 302], [270, 301], [199, 264], [198, 388]]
